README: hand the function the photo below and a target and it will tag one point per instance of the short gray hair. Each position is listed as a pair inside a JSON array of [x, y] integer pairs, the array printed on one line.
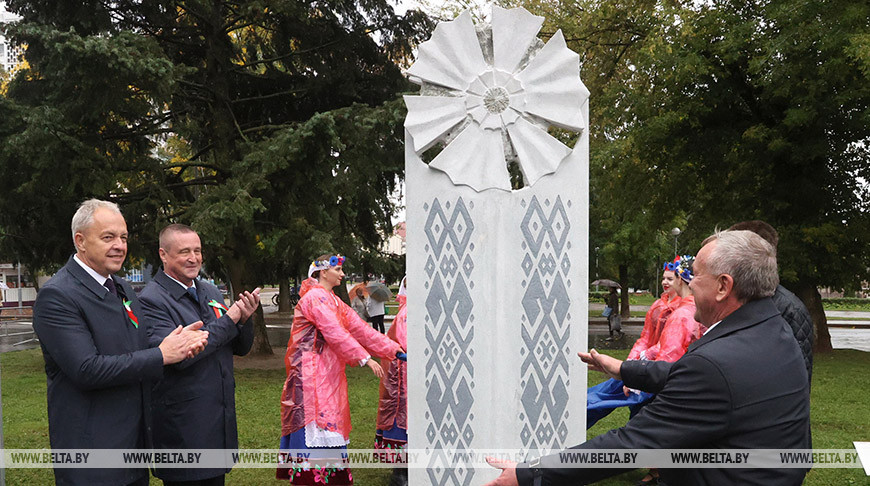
[[749, 259], [172, 229], [84, 216]]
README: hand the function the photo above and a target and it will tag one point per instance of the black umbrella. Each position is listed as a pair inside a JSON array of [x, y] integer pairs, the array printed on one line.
[[379, 292], [605, 282]]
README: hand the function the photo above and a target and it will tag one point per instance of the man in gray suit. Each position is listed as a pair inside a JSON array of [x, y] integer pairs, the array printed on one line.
[[98, 362], [742, 385], [194, 404]]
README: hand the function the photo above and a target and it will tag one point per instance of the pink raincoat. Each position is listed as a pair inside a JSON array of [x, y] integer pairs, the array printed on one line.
[[326, 336], [681, 329], [393, 405], [653, 324]]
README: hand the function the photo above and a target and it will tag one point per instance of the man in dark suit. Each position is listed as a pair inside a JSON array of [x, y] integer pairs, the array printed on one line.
[[98, 362], [194, 405], [742, 385]]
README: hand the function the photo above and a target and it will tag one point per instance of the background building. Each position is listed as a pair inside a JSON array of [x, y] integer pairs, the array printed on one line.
[[395, 243], [10, 55]]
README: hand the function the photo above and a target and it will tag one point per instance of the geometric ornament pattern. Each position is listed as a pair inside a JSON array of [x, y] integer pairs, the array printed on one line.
[[447, 322], [545, 324]]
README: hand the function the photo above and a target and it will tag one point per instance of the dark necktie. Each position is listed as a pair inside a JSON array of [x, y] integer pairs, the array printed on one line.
[[192, 292], [110, 284]]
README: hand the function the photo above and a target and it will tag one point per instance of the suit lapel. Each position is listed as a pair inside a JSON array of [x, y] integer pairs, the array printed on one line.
[[102, 294], [86, 280], [178, 292]]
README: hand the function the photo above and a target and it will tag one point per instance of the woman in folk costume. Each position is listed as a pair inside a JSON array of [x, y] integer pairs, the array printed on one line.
[[326, 336], [670, 344], [392, 422], [658, 313], [681, 329]]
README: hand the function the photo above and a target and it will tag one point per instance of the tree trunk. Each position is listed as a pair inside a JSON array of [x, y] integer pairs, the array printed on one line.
[[811, 298], [34, 279], [284, 295], [225, 137], [624, 307], [238, 276]]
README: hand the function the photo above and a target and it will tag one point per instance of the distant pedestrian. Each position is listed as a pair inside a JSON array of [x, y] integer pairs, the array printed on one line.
[[376, 311], [358, 302], [614, 320]]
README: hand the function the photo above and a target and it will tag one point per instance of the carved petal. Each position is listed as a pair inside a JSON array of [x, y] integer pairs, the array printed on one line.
[[452, 57], [512, 32], [475, 158], [539, 153], [553, 87], [430, 117]]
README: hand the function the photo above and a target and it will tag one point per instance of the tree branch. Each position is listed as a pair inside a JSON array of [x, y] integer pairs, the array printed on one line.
[[271, 95]]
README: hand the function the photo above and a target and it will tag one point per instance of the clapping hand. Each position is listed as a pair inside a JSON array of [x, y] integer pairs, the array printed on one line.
[[244, 306], [183, 342]]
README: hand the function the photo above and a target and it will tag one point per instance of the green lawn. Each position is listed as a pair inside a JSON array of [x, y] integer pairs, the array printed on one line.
[[847, 304], [839, 413]]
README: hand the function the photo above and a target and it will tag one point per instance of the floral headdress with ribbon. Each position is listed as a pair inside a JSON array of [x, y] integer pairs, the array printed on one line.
[[684, 268], [671, 266], [681, 266], [333, 261]]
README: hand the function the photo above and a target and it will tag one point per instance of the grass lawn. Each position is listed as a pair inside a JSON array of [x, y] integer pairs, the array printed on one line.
[[861, 305], [839, 415]]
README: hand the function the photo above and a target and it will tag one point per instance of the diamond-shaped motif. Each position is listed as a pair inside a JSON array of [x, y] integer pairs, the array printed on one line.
[[566, 264], [527, 264], [448, 266], [526, 434], [563, 434], [430, 266], [449, 432], [547, 264], [467, 266], [468, 434], [545, 433]]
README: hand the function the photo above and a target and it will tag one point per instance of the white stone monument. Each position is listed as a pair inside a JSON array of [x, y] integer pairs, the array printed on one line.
[[497, 300]]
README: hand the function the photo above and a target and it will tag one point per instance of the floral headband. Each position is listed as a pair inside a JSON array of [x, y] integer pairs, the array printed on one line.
[[682, 266], [317, 265], [671, 266]]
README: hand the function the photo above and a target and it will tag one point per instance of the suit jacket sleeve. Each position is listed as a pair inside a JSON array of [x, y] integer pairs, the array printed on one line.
[[66, 336], [158, 318], [644, 375], [243, 342], [692, 409]]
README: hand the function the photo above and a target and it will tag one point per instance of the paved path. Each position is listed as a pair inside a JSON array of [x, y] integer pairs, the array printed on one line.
[[862, 315]]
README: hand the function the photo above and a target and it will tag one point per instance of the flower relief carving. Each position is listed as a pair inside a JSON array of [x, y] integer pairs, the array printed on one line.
[[490, 94]]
